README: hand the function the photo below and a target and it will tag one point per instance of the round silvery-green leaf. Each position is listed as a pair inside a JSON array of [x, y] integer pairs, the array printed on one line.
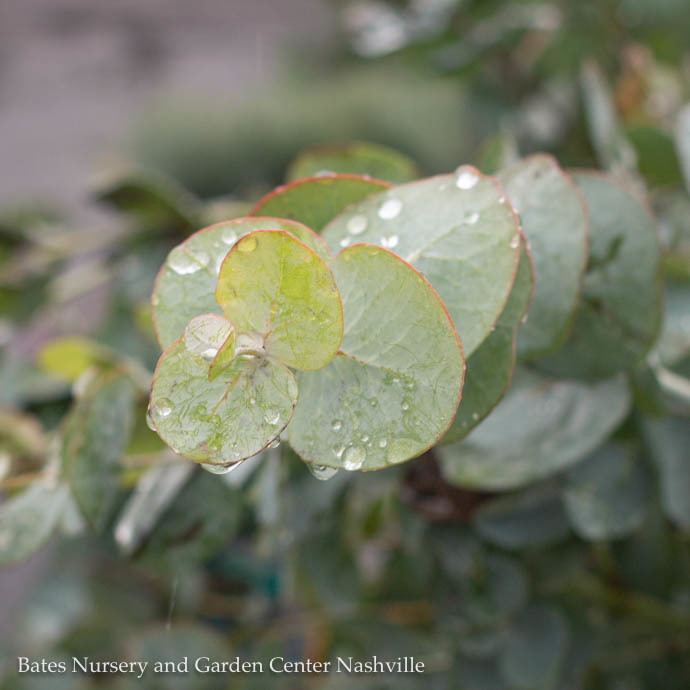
[[605, 496], [278, 290], [315, 201], [490, 368], [185, 284], [554, 219], [225, 420], [358, 158], [620, 311], [458, 230], [536, 648], [540, 427], [394, 387]]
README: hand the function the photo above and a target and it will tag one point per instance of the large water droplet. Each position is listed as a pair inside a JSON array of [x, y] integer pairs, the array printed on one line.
[[205, 334], [183, 263], [248, 244], [229, 236], [209, 354], [389, 242], [345, 241], [220, 469], [466, 179], [354, 458], [149, 420], [272, 417], [336, 425], [161, 409], [471, 218], [515, 242], [155, 300], [274, 443], [357, 225], [322, 472], [383, 443], [390, 208]]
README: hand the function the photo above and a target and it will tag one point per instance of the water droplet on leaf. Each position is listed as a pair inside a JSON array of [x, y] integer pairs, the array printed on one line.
[[357, 225], [389, 242], [183, 263], [220, 469], [466, 179], [161, 409], [247, 245], [390, 209], [322, 472], [272, 417], [354, 458], [229, 236], [336, 425]]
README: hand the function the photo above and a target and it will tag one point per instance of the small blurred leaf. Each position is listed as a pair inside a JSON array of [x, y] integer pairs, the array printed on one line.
[[540, 427], [530, 519], [536, 648], [29, 518], [606, 495], [69, 357], [669, 442], [683, 142], [657, 160], [358, 158], [315, 201], [94, 444]]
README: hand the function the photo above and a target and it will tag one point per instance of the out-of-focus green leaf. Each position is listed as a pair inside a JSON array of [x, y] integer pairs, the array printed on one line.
[[674, 342], [683, 142], [540, 427], [669, 442], [533, 518], [536, 648], [186, 282], [620, 310], [94, 443], [155, 202], [69, 357], [554, 219], [394, 387], [229, 418], [29, 518], [656, 156], [274, 287], [490, 368], [315, 201], [358, 158], [458, 230], [606, 494]]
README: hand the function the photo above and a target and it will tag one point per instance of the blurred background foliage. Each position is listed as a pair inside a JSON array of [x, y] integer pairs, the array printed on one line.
[[581, 580]]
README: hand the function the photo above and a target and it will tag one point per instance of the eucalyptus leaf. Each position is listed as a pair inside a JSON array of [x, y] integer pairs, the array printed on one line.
[[458, 230], [229, 418], [535, 652], [394, 387], [186, 282], [620, 311], [94, 444], [276, 289], [532, 518], [683, 141], [316, 200], [606, 494], [29, 518], [490, 368], [669, 441], [358, 158], [540, 427], [554, 219]]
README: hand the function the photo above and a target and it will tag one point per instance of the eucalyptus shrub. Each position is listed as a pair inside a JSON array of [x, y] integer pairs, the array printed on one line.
[[504, 330]]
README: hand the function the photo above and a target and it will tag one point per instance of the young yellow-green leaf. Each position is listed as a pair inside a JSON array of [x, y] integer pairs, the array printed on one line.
[[458, 230], [490, 368], [394, 387], [554, 219], [69, 357], [540, 427], [315, 201], [275, 288], [29, 518], [224, 357], [358, 158], [620, 311], [94, 444], [185, 284], [225, 420]]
